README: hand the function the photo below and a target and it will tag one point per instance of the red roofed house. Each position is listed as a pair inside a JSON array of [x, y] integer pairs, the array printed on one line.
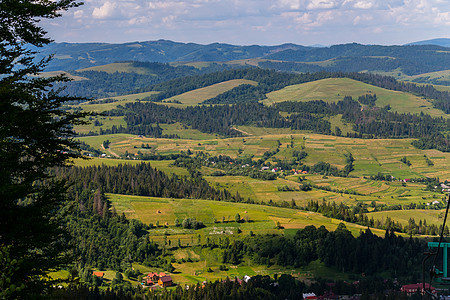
[[150, 279], [411, 289], [98, 274], [165, 281], [153, 276], [311, 296]]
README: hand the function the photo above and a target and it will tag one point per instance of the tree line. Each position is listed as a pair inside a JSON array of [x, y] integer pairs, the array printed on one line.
[[271, 80], [366, 253], [358, 215], [368, 122], [141, 180]]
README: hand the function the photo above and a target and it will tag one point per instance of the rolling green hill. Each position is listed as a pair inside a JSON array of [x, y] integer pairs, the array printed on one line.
[[334, 89], [125, 67], [199, 95]]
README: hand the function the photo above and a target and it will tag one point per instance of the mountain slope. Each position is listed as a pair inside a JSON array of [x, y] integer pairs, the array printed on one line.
[[83, 55], [444, 42]]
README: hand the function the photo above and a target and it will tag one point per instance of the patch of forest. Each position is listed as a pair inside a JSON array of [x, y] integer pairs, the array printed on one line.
[[142, 180], [368, 121], [102, 84], [366, 253], [436, 141]]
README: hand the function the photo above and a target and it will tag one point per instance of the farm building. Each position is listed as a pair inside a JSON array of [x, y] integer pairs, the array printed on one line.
[[165, 281]]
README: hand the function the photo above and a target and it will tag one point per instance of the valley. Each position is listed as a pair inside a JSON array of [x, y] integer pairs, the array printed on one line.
[[280, 179]]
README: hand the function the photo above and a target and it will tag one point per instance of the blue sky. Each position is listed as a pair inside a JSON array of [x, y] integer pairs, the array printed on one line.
[[247, 22]]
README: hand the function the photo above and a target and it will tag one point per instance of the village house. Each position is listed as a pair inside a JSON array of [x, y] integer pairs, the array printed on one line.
[[310, 296], [152, 278], [98, 274], [165, 281], [411, 289]]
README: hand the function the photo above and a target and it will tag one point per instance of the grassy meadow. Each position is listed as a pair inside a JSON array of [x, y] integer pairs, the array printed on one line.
[[122, 67], [334, 89], [262, 219], [197, 96], [199, 264]]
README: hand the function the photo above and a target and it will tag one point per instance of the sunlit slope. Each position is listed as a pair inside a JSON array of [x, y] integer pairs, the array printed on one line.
[[263, 219], [371, 155], [435, 217], [334, 89], [123, 67], [199, 95]]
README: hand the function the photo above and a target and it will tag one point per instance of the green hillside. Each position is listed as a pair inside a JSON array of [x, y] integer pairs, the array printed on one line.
[[199, 95], [334, 89], [125, 67]]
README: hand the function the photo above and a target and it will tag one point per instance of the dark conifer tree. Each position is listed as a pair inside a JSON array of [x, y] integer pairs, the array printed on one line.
[[35, 134]]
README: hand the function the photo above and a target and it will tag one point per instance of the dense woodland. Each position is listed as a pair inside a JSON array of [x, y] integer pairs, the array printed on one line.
[[435, 141], [369, 121], [140, 180], [100, 84], [367, 253]]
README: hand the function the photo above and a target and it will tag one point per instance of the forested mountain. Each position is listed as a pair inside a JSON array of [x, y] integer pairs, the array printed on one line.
[[102, 84], [411, 59], [438, 42], [73, 56]]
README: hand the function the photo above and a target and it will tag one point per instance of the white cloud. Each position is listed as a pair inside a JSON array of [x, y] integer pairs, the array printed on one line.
[[317, 4], [243, 21], [363, 4], [443, 18], [105, 11], [290, 4], [79, 14], [362, 19]]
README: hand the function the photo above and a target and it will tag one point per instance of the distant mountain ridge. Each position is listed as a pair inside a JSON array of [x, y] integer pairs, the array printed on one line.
[[73, 56], [444, 42], [409, 59]]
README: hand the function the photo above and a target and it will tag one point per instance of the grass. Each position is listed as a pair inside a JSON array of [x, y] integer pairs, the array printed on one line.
[[262, 218], [123, 67], [334, 89], [121, 100], [106, 121], [438, 76], [435, 217], [371, 157], [197, 96], [185, 132], [162, 165]]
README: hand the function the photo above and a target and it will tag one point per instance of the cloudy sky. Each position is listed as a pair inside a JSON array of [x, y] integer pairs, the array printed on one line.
[[246, 22]]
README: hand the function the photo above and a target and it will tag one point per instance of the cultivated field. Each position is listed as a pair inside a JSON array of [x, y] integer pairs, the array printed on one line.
[[371, 157]]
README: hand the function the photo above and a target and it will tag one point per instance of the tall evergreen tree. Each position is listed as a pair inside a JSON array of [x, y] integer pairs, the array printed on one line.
[[35, 134]]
